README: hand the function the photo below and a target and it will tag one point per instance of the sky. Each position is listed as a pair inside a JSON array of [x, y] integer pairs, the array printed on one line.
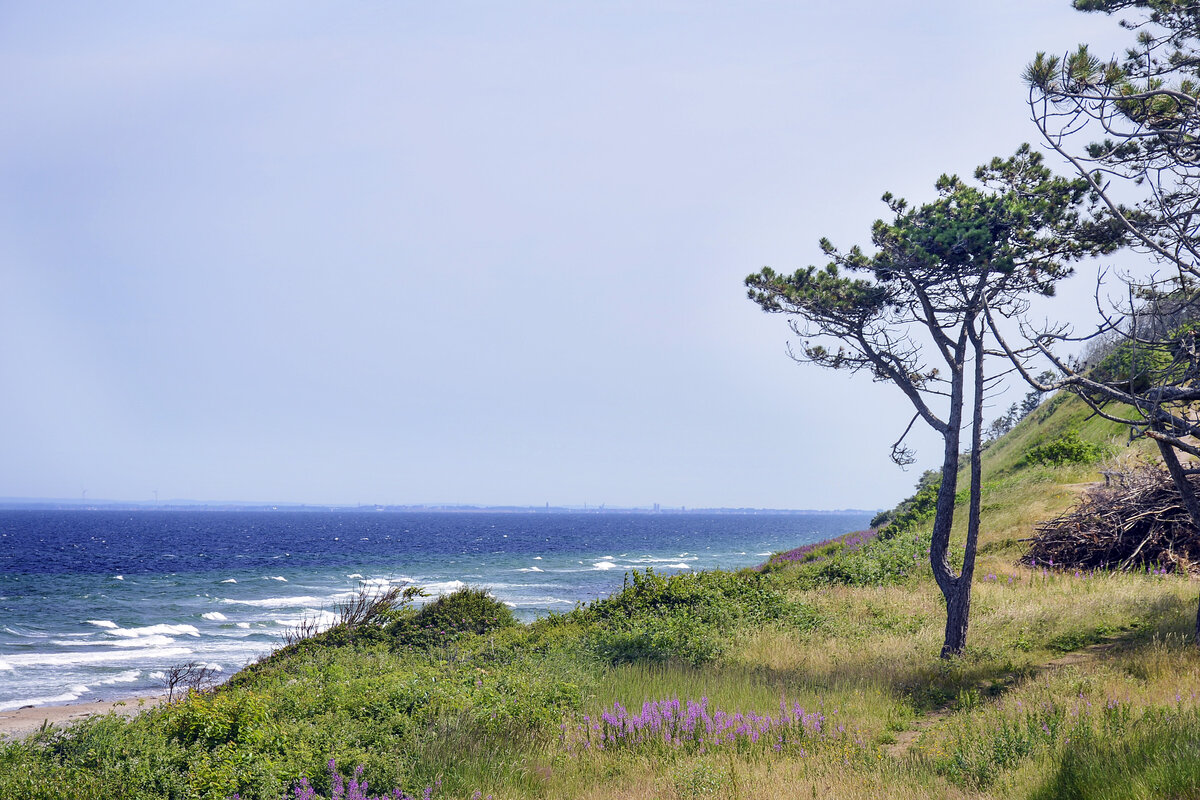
[[489, 253]]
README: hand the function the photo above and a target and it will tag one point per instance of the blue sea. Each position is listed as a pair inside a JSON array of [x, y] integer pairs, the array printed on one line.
[[94, 605]]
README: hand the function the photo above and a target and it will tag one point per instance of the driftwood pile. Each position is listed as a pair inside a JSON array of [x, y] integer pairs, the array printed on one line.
[[1136, 520]]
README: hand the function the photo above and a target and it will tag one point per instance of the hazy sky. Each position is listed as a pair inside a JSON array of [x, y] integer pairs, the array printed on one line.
[[467, 252]]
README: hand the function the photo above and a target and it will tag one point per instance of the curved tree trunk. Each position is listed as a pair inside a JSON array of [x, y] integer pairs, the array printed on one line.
[[1190, 502], [943, 520]]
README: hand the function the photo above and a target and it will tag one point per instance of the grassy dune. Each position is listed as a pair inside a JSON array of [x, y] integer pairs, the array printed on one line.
[[819, 679]]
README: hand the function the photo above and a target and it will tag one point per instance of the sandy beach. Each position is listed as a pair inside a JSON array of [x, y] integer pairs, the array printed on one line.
[[21, 722]]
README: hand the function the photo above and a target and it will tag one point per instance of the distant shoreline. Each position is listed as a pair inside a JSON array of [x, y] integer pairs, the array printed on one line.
[[17, 504], [21, 722]]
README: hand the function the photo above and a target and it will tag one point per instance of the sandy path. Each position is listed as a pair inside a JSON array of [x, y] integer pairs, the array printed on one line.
[[23, 721]]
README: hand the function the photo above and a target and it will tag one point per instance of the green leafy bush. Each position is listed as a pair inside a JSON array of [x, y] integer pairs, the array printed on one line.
[[686, 617], [216, 719], [878, 563], [467, 611], [1067, 449], [913, 512]]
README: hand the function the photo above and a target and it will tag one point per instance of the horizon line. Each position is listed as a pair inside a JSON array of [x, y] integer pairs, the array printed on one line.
[[51, 503]]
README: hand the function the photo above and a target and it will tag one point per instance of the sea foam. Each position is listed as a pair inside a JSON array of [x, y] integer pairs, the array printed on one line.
[[156, 630], [95, 657], [280, 602]]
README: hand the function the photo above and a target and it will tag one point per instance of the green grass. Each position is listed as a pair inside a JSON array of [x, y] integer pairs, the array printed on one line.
[[459, 698]]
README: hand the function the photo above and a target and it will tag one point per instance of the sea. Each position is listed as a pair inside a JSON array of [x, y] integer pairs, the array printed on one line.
[[96, 605]]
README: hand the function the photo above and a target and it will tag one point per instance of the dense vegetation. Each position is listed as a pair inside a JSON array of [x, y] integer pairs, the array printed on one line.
[[817, 672]]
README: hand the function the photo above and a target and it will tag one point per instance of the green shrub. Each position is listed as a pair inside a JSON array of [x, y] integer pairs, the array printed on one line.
[[467, 611], [685, 617], [913, 512], [1067, 449], [877, 563], [213, 720]]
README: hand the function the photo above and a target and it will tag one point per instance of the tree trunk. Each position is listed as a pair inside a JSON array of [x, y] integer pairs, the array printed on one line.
[[943, 518], [958, 602], [1190, 502], [958, 612]]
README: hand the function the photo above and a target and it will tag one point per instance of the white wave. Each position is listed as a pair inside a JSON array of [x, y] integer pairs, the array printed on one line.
[[156, 630], [280, 602], [530, 569], [444, 587], [655, 560], [763, 554], [537, 558], [102, 623], [602, 565], [215, 616], [5, 666], [96, 657], [118, 577], [680, 565], [229, 580], [131, 641], [354, 575], [539, 601], [128, 676], [375, 582], [319, 619], [510, 605], [275, 578], [523, 586], [28, 634], [214, 667], [243, 624], [66, 697]]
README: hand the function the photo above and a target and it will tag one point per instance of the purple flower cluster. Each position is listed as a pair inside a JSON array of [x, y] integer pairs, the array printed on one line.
[[846, 542], [692, 725], [356, 789]]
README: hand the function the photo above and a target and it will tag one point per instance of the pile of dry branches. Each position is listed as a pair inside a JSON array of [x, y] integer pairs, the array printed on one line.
[[1134, 521]]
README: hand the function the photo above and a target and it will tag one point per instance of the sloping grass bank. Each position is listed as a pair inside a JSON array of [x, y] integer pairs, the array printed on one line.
[[812, 676]]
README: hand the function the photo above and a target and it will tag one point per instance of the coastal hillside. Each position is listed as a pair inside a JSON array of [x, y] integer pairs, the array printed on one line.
[[815, 675]]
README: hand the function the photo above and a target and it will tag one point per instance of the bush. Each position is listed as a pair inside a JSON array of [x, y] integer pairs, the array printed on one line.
[[467, 611], [913, 512], [878, 563], [1067, 449], [685, 617]]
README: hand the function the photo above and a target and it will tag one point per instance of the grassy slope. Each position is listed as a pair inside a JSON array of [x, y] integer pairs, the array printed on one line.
[[1072, 686]]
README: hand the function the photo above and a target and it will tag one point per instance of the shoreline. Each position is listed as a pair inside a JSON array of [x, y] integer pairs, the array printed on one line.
[[21, 722]]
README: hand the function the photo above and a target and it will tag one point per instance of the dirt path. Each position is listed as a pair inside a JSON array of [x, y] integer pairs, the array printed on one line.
[[906, 738]]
